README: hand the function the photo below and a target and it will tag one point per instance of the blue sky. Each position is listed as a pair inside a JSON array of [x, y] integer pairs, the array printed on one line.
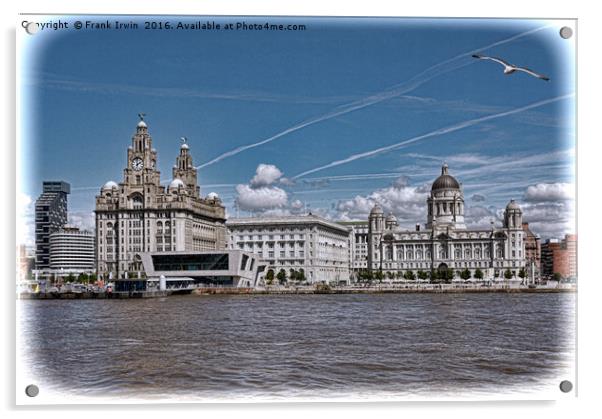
[[326, 100]]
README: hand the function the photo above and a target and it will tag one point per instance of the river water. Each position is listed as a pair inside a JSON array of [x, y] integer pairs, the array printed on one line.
[[300, 346]]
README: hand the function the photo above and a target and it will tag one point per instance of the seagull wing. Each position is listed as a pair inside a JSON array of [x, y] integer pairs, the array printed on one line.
[[533, 73], [497, 60]]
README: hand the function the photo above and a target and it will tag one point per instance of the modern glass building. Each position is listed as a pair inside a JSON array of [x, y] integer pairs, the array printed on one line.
[[51, 215]]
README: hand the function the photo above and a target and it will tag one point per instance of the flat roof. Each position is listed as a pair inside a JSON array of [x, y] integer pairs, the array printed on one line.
[[285, 219]]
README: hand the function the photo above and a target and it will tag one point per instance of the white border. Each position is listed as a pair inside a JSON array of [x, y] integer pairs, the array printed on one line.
[[588, 182]]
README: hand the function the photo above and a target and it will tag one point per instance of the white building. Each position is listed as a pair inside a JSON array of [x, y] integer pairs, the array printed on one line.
[[72, 250], [446, 243], [317, 246], [140, 215], [358, 245]]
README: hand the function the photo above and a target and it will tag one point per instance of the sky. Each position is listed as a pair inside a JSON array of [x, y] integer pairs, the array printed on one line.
[[331, 119]]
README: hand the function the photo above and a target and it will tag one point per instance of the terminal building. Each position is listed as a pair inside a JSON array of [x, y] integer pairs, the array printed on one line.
[[225, 268], [306, 243], [140, 215], [446, 244]]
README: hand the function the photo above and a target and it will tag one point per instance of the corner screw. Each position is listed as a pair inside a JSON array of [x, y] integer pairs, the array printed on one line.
[[32, 390], [566, 32], [566, 386]]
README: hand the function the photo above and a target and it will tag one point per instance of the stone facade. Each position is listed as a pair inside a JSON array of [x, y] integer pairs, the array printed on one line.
[[446, 243], [308, 242], [532, 251], [140, 215], [358, 245]]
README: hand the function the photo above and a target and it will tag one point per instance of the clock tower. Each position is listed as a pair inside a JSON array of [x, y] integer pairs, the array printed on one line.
[[141, 171], [140, 215]]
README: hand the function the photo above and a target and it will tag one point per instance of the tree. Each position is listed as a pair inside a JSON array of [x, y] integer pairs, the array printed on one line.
[[269, 277], [478, 274], [409, 275], [390, 275], [465, 274], [522, 273], [379, 275], [292, 274], [557, 276], [281, 276], [496, 273], [508, 274], [434, 276], [93, 277], [422, 275], [70, 277], [301, 275], [448, 275]]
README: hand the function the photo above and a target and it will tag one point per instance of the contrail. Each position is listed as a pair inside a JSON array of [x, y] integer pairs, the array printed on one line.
[[435, 133], [396, 90]]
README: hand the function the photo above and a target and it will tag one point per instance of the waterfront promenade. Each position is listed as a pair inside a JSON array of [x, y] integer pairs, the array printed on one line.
[[313, 289]]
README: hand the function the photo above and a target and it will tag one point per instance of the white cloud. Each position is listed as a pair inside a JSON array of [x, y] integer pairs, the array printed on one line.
[[258, 199], [25, 208], [260, 194], [265, 175], [82, 219], [408, 203], [478, 197], [550, 192]]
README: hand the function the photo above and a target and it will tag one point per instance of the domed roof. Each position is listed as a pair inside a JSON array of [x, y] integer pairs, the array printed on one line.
[[377, 210], [391, 218], [212, 195], [512, 205], [109, 185], [184, 146], [445, 181], [176, 183], [141, 124]]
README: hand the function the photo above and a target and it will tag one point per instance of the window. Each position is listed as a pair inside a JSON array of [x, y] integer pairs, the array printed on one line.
[[206, 262], [243, 262]]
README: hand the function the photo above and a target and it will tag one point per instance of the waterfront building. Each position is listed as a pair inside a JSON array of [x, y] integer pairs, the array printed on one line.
[[72, 251], [310, 243], [532, 252], [26, 261], [446, 244], [358, 245], [51, 215], [141, 215], [559, 256], [221, 268]]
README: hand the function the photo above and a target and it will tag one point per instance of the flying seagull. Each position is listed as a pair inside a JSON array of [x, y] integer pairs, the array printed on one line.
[[510, 68]]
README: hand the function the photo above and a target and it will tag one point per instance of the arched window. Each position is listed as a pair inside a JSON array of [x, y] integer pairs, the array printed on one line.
[[419, 254], [467, 254], [458, 253], [137, 201], [500, 252]]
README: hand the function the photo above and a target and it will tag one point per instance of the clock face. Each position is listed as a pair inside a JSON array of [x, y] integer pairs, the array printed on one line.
[[137, 164]]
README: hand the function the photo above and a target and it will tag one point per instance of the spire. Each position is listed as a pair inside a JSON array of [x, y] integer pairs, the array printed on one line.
[[141, 124], [444, 169]]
